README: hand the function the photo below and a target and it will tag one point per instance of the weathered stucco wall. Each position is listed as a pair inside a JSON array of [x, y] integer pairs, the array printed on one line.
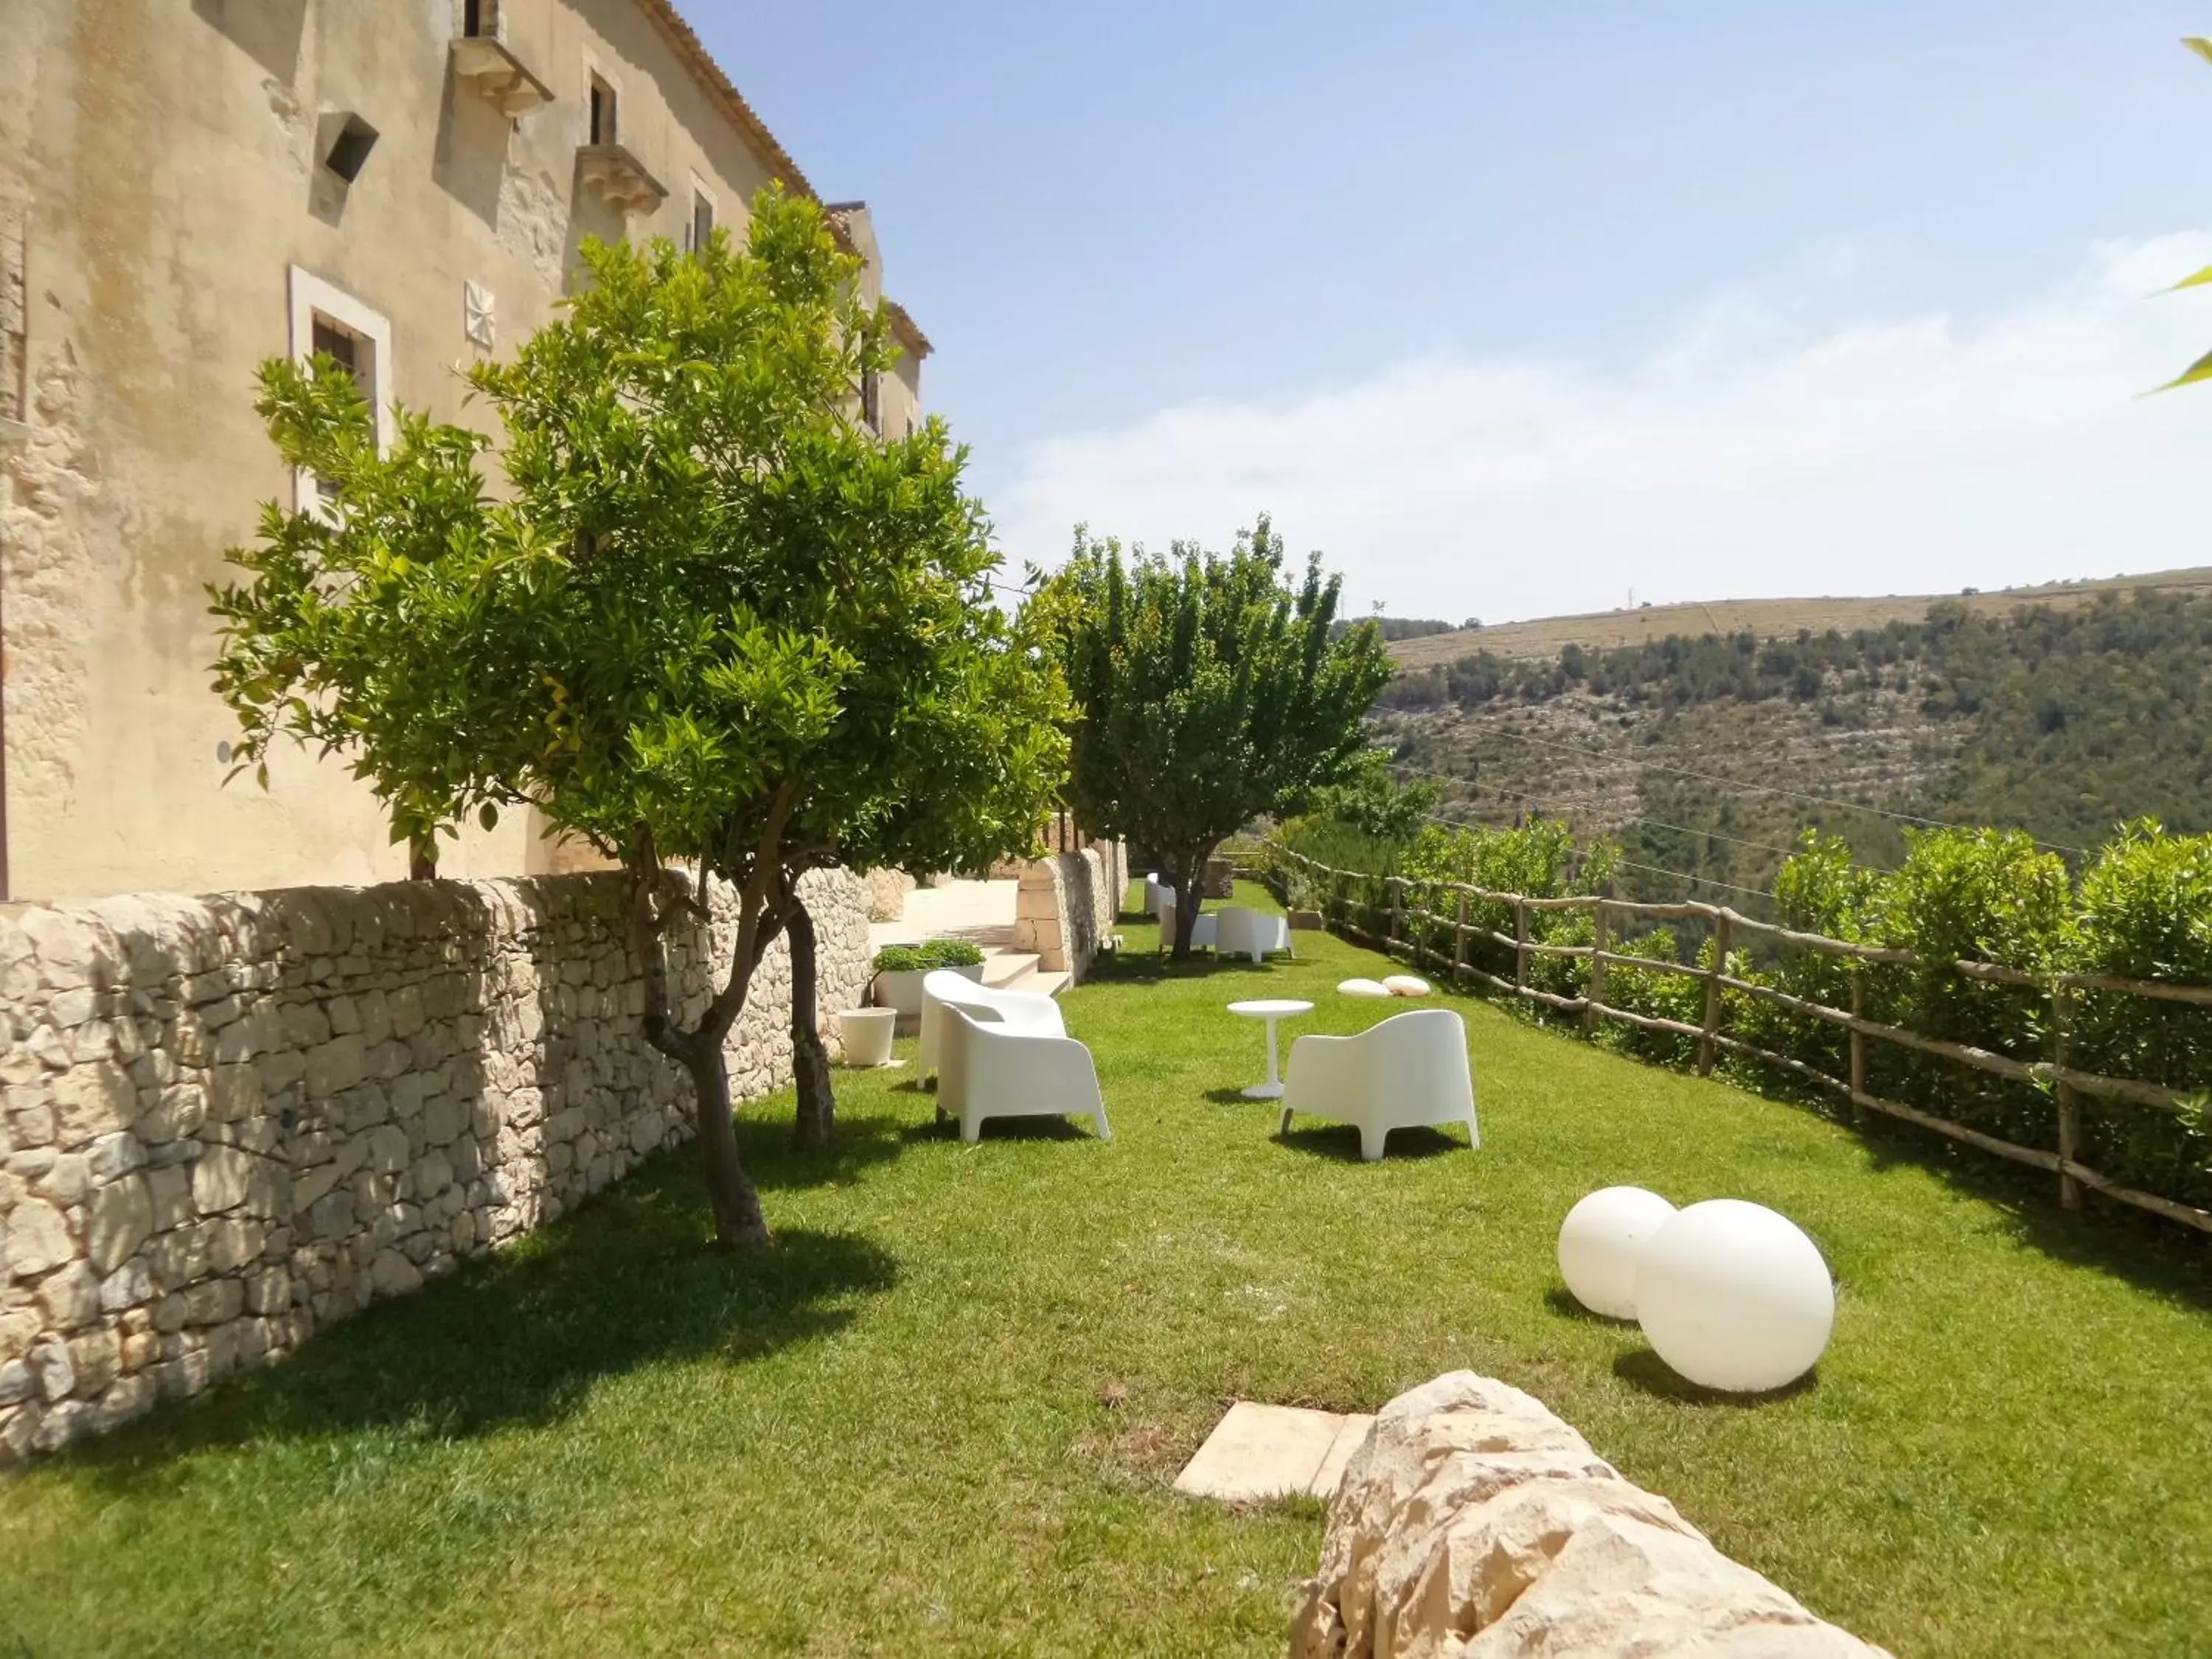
[[159, 177], [226, 1121], [1067, 904]]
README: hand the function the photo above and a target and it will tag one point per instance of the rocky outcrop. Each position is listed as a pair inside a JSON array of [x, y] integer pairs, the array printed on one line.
[[226, 1121], [1473, 1524]]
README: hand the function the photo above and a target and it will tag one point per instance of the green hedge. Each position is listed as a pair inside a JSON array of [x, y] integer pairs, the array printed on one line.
[[936, 953], [2141, 909]]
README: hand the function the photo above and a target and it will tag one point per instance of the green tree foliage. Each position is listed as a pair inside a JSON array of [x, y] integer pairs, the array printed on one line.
[[1209, 693], [709, 620], [1375, 804]]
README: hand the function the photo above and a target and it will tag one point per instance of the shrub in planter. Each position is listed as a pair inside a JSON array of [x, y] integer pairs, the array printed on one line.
[[900, 969]]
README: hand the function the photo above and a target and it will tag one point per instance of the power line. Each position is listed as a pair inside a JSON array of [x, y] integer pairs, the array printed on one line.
[[1656, 823], [1648, 869], [1759, 789]]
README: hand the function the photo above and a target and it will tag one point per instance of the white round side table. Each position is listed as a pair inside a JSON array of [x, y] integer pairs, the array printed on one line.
[[1271, 1009]]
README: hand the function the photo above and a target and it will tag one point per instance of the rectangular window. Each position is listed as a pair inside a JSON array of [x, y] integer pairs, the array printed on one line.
[[326, 319], [480, 19], [871, 400], [702, 219], [603, 113]]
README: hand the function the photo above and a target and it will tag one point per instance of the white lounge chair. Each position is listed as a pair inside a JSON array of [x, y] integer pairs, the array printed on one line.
[[1156, 893], [1204, 932], [1019, 1011], [1247, 933], [1408, 1070], [989, 1070]]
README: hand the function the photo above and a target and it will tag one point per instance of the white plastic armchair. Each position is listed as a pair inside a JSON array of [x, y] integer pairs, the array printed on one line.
[[1019, 1011], [1247, 933], [1204, 932], [1156, 893], [990, 1070], [1408, 1070]]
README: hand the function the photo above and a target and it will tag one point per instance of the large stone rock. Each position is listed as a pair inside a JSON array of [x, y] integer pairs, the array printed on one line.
[[94, 1100], [1474, 1522], [38, 1239], [119, 1219]]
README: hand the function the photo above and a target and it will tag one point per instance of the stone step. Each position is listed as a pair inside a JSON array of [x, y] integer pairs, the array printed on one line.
[[1002, 970]]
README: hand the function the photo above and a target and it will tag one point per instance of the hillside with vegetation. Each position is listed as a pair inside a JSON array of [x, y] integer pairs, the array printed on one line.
[[1425, 644], [1710, 754]]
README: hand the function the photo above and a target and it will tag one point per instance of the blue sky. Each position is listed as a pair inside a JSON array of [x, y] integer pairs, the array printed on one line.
[[1512, 308]]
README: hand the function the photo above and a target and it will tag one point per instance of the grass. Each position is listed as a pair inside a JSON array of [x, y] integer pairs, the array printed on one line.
[[941, 1414]]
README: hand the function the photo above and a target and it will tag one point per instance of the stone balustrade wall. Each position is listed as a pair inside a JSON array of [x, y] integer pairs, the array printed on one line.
[[227, 1120]]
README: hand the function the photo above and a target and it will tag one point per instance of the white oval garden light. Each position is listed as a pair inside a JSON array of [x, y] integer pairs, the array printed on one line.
[[1600, 1242], [1734, 1297]]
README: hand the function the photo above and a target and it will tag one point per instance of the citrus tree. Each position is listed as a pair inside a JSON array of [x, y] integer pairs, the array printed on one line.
[[710, 624], [1208, 692]]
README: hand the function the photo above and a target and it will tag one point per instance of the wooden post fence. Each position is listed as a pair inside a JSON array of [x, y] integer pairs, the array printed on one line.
[[2069, 1104], [2059, 1073], [1594, 1001], [1709, 1042]]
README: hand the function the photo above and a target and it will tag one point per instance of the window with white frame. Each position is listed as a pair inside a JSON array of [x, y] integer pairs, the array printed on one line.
[[703, 218], [326, 319]]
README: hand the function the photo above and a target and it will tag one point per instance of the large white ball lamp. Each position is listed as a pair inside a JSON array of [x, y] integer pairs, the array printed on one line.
[[1734, 1297], [1600, 1242]]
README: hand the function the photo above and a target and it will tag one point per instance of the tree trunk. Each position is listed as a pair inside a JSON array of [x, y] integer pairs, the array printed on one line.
[[738, 1217], [810, 1059], [421, 859], [1188, 873]]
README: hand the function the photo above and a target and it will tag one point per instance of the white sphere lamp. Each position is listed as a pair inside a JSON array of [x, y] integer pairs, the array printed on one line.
[[1600, 1242], [1734, 1297]]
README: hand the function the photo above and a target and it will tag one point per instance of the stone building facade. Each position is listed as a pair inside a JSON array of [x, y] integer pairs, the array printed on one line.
[[189, 188], [226, 1122]]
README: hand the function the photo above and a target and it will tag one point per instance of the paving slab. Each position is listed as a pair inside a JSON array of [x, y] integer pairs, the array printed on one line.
[[1259, 1451]]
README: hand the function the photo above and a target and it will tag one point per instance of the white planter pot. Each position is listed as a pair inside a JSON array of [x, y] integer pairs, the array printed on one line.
[[867, 1035], [902, 991]]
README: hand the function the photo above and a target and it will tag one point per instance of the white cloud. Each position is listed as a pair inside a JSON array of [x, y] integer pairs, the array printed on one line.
[[1742, 457]]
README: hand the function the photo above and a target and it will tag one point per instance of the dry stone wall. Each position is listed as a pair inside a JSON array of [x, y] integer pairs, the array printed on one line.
[[1067, 904], [226, 1121]]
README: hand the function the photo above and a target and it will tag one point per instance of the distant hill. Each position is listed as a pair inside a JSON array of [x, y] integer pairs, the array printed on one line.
[[1765, 618], [2061, 712]]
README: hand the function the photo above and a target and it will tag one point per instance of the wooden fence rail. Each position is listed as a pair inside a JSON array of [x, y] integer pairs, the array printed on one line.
[[2068, 1082]]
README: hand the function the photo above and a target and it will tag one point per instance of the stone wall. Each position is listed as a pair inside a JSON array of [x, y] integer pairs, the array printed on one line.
[[226, 1121], [886, 893], [1067, 906], [1472, 1521]]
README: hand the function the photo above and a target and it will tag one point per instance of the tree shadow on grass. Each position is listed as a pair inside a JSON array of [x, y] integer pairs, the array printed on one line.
[[1645, 1371], [1561, 1301], [1340, 1141], [521, 1338], [778, 1165], [1141, 966], [2105, 1237], [1000, 1128]]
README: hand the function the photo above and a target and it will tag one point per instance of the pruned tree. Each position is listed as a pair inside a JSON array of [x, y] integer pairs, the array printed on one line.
[[1208, 692], [712, 625]]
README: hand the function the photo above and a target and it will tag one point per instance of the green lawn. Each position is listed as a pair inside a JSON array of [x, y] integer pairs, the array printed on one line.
[[941, 1415]]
